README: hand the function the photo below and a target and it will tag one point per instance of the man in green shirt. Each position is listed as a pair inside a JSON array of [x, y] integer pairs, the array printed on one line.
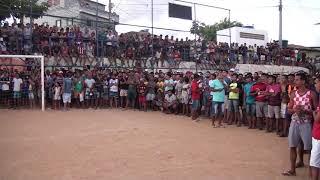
[[78, 90]]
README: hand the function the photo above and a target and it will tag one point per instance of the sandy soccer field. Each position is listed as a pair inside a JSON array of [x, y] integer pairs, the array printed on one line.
[[133, 145]]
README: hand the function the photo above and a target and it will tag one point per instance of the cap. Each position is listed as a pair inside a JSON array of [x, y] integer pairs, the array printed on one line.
[[232, 69]]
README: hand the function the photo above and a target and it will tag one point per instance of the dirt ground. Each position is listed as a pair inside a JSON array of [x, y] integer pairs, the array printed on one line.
[[133, 145]]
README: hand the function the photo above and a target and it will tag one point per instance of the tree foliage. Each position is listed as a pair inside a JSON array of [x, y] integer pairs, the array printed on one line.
[[22, 8], [209, 32]]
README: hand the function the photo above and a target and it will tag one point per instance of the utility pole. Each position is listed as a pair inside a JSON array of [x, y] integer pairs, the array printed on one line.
[[152, 56], [31, 4], [97, 41], [110, 13], [195, 18], [280, 24]]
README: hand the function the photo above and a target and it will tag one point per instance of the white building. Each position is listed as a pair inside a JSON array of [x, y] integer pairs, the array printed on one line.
[[76, 12], [242, 35]]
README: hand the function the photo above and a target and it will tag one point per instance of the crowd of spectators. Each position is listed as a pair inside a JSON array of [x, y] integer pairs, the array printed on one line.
[[283, 104], [73, 46]]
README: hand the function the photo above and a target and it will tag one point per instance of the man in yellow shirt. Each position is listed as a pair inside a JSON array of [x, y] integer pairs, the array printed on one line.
[[233, 106]]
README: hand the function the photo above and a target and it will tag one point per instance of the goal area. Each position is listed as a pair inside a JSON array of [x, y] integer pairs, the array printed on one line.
[[29, 65]]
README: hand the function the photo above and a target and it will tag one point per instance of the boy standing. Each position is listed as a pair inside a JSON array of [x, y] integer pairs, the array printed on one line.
[[17, 82], [142, 95], [218, 86], [113, 83], [89, 84], [261, 106], [273, 92], [233, 109], [302, 102], [250, 103], [67, 90], [195, 95]]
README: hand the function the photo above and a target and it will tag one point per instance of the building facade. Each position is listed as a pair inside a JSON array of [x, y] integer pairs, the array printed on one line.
[[242, 35], [63, 13]]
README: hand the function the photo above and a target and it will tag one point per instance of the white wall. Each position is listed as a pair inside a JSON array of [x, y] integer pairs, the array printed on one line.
[[235, 36]]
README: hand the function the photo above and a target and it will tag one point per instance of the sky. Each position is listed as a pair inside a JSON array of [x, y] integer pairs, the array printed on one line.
[[299, 17]]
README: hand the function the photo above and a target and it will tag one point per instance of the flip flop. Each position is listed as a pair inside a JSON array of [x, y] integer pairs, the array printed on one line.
[[288, 173]]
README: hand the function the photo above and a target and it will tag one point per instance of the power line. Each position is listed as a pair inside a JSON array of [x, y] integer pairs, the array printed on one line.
[[82, 20]]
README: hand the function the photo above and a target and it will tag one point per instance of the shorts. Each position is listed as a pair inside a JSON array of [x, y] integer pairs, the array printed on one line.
[[81, 97], [89, 94], [195, 104], [16, 95], [57, 98], [283, 111], [205, 99], [150, 97], [66, 98], [123, 93], [185, 99], [132, 94], [217, 108], [6, 94], [105, 94], [226, 102], [274, 112], [315, 153], [233, 105], [158, 103], [113, 94], [98, 94], [261, 109], [300, 132], [142, 99], [25, 95], [31, 95], [251, 109]]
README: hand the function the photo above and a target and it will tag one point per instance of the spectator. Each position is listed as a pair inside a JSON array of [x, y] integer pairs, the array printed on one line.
[[67, 91]]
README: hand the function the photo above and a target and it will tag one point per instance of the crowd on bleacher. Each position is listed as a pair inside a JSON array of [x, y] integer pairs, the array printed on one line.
[[75, 46]]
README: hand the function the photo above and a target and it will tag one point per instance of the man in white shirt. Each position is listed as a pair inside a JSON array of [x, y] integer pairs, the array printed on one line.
[[89, 84], [17, 81], [5, 87], [170, 102], [113, 84]]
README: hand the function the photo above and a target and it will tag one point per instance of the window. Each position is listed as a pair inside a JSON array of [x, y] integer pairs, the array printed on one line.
[[251, 36], [58, 23], [69, 22]]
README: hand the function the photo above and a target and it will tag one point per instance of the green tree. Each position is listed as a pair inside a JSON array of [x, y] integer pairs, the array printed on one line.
[[22, 8], [209, 32]]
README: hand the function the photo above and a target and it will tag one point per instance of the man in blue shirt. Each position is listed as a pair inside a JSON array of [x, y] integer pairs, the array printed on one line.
[[249, 102], [217, 86]]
